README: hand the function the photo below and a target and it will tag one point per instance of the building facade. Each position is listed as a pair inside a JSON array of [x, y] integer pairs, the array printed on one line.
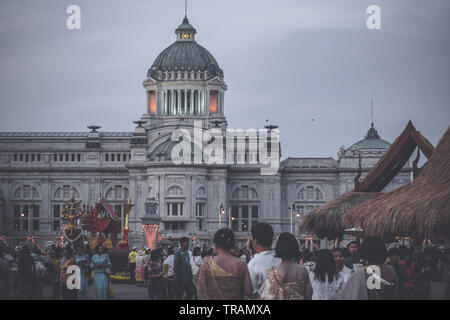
[[184, 87]]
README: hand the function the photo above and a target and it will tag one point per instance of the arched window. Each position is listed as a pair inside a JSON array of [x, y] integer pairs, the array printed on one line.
[[66, 192], [26, 192], [310, 193], [117, 196], [200, 208], [117, 193], [26, 208], [308, 198], [174, 191], [244, 193], [244, 208]]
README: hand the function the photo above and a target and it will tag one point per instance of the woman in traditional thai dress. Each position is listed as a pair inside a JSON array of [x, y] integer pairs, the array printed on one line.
[[101, 265], [82, 260], [139, 271], [223, 277], [289, 280]]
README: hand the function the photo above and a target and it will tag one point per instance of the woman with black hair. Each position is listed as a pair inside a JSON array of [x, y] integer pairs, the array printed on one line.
[[341, 268], [101, 265], [325, 279], [223, 277], [376, 280], [288, 280], [154, 275]]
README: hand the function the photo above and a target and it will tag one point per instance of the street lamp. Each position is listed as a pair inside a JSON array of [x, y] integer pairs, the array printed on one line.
[[221, 212], [298, 215], [231, 219]]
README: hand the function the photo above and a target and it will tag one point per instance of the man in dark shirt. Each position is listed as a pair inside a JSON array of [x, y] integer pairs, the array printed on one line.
[[354, 258], [182, 272]]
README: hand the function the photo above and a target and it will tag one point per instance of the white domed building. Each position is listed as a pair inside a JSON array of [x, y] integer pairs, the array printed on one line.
[[185, 89]]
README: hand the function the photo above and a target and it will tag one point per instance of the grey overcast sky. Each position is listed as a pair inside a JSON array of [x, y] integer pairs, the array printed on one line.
[[289, 61]]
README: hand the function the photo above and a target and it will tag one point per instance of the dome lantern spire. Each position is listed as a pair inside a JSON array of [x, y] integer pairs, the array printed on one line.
[[185, 31]]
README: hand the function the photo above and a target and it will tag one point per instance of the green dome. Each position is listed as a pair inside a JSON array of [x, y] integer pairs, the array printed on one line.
[[372, 140], [185, 54]]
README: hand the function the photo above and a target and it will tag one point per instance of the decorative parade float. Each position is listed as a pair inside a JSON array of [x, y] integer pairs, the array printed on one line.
[[73, 213]]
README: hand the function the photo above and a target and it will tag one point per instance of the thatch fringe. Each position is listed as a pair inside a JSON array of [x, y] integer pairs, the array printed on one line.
[[325, 221]]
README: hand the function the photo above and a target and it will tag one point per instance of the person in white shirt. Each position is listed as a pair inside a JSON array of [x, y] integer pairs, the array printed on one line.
[[264, 259], [196, 260], [326, 281], [341, 268], [169, 278]]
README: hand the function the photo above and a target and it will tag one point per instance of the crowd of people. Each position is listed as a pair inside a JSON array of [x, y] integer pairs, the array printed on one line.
[[265, 270], [24, 273], [285, 272]]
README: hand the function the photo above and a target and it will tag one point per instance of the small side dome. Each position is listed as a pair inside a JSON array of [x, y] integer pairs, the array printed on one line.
[[372, 140]]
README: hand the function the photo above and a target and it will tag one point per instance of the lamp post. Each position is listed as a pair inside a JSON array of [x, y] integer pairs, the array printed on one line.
[[296, 222], [221, 211]]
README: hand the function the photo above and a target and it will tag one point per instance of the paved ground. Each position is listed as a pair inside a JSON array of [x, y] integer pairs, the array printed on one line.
[[128, 292], [121, 292]]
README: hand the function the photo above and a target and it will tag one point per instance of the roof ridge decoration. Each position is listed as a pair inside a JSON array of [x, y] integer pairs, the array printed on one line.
[[419, 210], [393, 160]]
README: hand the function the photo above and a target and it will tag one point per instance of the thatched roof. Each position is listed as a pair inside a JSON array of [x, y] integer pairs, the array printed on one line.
[[418, 210], [325, 221]]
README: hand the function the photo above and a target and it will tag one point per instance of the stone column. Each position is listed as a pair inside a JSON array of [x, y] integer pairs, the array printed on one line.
[[172, 103], [200, 103], [192, 101], [196, 102], [203, 102], [179, 102], [165, 102], [185, 101], [158, 100]]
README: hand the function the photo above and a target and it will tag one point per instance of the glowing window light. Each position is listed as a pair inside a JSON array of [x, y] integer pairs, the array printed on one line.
[[213, 101], [152, 102]]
